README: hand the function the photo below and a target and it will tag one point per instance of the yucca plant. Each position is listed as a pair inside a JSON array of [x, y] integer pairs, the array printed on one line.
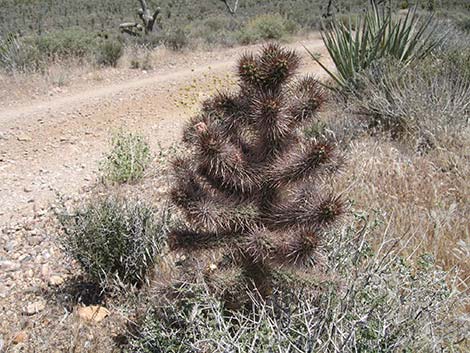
[[251, 186], [376, 34]]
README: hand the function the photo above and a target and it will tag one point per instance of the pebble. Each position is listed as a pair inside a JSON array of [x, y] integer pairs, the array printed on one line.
[[10, 246], [34, 241], [94, 313], [20, 337], [2, 343], [45, 271], [24, 258], [34, 308], [9, 266], [23, 138], [56, 280]]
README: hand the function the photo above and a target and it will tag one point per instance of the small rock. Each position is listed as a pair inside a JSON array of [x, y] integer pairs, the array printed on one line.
[[27, 189], [34, 308], [93, 313], [56, 280], [9, 266], [33, 241], [23, 138], [45, 271], [1, 344], [10, 246], [25, 258], [20, 337]]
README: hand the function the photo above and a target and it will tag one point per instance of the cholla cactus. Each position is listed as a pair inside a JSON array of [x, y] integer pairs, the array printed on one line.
[[251, 184]]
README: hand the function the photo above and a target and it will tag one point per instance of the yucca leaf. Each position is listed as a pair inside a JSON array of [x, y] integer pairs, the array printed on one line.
[[375, 35]]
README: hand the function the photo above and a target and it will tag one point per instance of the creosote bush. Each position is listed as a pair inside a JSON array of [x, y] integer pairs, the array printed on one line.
[[109, 53], [373, 301], [251, 185], [129, 157], [73, 42], [116, 242], [266, 27]]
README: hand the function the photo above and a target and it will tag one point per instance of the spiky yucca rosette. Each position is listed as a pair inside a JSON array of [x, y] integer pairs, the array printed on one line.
[[251, 185]]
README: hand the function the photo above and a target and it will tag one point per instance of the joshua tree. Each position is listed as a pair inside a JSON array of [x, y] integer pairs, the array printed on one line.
[[149, 21], [251, 185]]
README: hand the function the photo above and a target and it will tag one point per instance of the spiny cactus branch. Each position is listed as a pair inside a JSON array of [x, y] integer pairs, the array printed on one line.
[[250, 181]]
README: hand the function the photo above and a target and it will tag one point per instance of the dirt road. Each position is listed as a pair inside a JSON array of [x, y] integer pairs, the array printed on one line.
[[54, 144]]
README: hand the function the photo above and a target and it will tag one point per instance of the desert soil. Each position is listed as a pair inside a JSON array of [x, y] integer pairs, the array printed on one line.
[[51, 143]]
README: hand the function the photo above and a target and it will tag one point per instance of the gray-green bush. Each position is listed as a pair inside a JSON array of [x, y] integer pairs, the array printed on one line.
[[416, 102], [265, 27], [109, 53], [365, 301], [74, 42], [116, 242], [129, 157]]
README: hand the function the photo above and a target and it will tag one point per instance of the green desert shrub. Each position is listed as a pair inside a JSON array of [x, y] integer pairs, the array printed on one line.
[[265, 27], [129, 157], [113, 240], [77, 43], [109, 52], [378, 33], [364, 301]]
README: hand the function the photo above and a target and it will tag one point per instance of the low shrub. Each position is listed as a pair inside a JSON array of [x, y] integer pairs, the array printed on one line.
[[109, 53], [365, 301], [115, 242], [176, 40], [18, 56], [218, 30], [417, 101], [141, 58], [77, 43], [129, 157], [150, 41], [265, 27]]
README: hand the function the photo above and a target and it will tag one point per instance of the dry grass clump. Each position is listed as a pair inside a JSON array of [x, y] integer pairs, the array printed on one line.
[[416, 103], [424, 198]]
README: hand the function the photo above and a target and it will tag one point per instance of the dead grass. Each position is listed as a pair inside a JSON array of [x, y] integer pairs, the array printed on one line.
[[422, 198]]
